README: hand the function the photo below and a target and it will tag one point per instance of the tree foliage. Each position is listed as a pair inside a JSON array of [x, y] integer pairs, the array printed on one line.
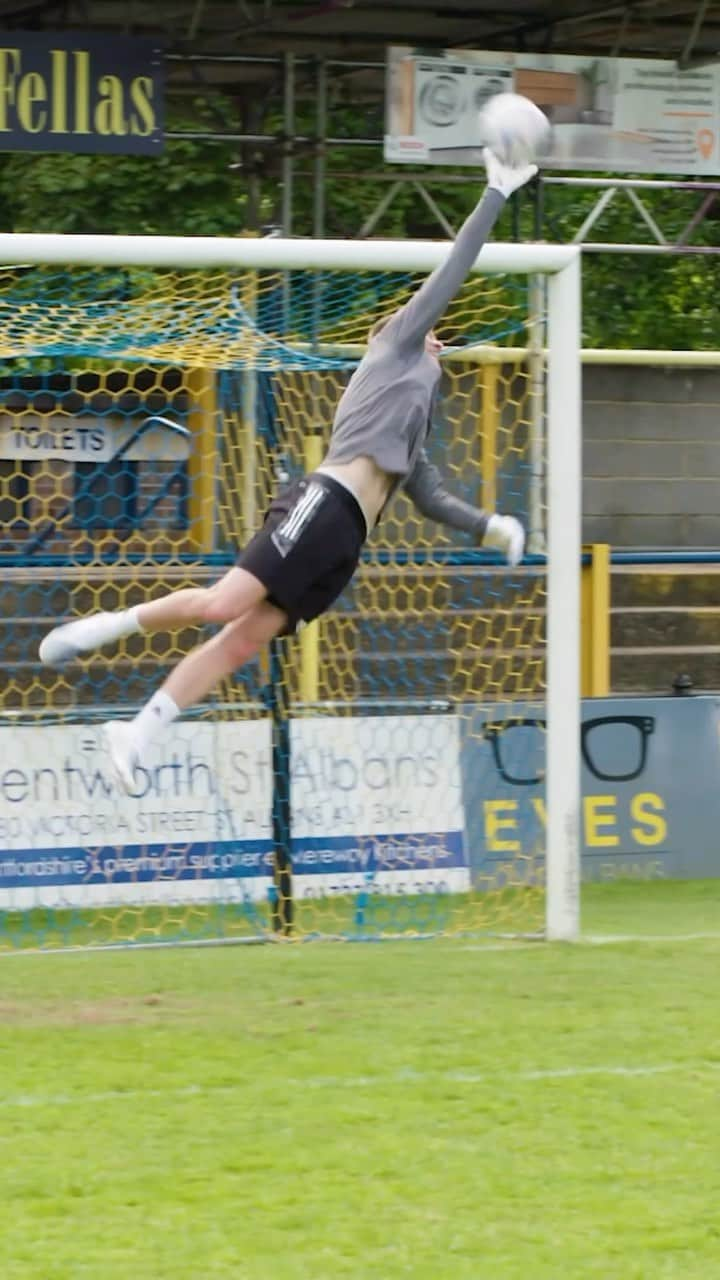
[[195, 188], [188, 189], [641, 300]]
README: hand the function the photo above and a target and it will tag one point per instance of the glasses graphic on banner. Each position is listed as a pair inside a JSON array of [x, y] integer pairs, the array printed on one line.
[[614, 748]]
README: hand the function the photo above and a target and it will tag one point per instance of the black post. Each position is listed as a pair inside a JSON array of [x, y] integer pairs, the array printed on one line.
[[538, 194], [682, 685], [282, 901], [515, 217]]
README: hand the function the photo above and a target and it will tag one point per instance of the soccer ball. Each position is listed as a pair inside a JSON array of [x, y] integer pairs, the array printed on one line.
[[514, 128]]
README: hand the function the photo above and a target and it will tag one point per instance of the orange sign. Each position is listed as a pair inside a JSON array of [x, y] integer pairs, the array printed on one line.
[[706, 142]]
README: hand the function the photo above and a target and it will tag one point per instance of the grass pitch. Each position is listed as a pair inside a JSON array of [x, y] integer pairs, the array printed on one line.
[[440, 1109]]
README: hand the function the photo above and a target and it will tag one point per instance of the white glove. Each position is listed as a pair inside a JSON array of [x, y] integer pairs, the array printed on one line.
[[501, 177]]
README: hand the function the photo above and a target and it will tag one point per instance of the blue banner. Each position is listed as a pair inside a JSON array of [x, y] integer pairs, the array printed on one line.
[[650, 795]]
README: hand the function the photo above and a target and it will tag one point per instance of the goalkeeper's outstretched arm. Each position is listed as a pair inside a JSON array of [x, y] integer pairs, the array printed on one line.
[[409, 326], [426, 489]]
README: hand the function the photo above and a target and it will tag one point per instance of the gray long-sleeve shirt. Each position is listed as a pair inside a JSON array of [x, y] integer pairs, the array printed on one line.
[[385, 410]]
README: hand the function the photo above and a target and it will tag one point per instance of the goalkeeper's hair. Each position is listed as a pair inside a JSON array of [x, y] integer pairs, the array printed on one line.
[[379, 325]]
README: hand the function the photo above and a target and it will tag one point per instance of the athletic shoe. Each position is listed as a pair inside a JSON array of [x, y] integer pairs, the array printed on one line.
[[124, 755], [507, 534], [64, 644]]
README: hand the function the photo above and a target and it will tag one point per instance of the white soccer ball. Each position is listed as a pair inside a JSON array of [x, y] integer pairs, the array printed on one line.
[[514, 129]]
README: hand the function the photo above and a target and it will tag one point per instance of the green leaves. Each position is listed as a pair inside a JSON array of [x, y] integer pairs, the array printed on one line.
[[188, 189], [630, 300]]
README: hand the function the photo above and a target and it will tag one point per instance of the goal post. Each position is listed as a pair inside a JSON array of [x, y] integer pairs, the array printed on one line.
[[564, 540], [141, 317]]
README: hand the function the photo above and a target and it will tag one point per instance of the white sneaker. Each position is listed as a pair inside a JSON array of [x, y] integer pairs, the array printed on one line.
[[123, 752], [64, 644], [507, 534]]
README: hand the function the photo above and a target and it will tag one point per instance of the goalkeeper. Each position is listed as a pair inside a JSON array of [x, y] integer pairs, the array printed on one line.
[[310, 543]]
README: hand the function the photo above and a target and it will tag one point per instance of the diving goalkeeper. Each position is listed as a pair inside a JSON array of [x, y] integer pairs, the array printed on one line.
[[309, 546]]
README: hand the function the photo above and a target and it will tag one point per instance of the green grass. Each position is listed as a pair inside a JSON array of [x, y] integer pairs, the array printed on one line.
[[440, 1109]]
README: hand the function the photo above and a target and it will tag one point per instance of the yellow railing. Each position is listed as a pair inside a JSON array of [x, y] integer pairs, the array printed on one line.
[[595, 621]]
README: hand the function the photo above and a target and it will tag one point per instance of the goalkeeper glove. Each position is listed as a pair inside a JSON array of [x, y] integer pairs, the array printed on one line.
[[507, 535], [502, 177]]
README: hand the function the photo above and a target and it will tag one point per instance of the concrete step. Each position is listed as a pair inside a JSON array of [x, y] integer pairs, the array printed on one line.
[[62, 597], [684, 585], [119, 684], [30, 685], [666, 626], [21, 639], [664, 621], [63, 593], [455, 629], [498, 674], [429, 632], [653, 670]]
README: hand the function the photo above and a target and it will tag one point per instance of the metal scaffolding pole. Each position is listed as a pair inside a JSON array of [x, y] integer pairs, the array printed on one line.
[[320, 163], [288, 164], [319, 176]]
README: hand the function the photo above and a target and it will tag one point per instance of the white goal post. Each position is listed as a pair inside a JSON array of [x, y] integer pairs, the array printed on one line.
[[561, 267]]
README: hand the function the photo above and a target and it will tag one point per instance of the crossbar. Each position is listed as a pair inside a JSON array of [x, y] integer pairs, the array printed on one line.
[[271, 252]]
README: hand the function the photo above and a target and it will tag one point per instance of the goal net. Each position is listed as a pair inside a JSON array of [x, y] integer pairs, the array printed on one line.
[[406, 765]]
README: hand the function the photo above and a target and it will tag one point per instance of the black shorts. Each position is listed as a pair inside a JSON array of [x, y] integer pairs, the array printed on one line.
[[308, 548]]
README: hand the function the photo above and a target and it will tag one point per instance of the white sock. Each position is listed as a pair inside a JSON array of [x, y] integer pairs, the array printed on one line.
[[103, 628], [131, 620], [123, 623], [155, 716]]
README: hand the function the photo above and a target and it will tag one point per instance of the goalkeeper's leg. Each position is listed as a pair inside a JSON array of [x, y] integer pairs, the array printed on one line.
[[193, 678], [230, 598]]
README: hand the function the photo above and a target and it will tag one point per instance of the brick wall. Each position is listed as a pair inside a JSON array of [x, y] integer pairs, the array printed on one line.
[[651, 456]]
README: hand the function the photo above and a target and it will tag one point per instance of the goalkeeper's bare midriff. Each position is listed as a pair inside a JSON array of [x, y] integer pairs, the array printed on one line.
[[370, 484]]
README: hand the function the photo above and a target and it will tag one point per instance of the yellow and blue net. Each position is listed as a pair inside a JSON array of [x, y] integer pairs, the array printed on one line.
[[347, 784]]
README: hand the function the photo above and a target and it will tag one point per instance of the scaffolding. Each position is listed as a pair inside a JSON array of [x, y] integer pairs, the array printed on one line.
[[314, 76]]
